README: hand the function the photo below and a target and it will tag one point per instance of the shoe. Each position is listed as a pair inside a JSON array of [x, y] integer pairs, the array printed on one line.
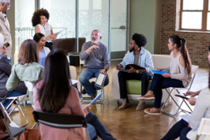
[[146, 97], [150, 111], [11, 108], [83, 91], [124, 104], [140, 106], [94, 95]]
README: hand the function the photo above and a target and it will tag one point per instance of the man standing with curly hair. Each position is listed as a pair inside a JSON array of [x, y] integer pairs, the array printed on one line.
[[5, 27], [141, 57]]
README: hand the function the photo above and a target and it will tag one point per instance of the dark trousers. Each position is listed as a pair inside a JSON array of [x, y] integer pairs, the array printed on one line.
[[180, 129], [123, 76], [158, 83]]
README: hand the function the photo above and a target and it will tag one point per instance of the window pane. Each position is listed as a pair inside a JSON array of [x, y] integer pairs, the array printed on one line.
[[208, 21], [192, 4], [191, 20], [97, 5]]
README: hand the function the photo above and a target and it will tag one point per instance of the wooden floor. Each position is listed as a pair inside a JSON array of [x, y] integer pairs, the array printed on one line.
[[129, 124]]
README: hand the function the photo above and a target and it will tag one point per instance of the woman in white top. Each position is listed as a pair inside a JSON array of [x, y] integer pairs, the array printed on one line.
[[43, 51], [180, 74], [39, 21]]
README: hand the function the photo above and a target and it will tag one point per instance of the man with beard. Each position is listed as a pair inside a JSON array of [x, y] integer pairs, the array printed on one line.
[[141, 57], [97, 61]]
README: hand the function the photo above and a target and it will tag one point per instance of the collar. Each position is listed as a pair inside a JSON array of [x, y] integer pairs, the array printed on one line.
[[142, 51]]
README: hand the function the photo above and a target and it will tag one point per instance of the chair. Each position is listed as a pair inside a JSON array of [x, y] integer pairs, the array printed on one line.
[[204, 127], [13, 131], [194, 69], [15, 99], [62, 121]]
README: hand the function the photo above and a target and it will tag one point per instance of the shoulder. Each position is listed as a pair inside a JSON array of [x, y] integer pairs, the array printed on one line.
[[145, 51], [87, 44], [36, 66], [181, 60], [3, 57]]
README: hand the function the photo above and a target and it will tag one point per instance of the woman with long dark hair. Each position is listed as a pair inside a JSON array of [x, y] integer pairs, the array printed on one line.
[[43, 51], [55, 94], [188, 130], [180, 74]]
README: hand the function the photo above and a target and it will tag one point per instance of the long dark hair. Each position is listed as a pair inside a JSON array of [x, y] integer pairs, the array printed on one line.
[[37, 37], [181, 44], [55, 88]]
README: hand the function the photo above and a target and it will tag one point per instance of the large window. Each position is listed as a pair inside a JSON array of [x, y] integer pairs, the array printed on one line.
[[195, 15]]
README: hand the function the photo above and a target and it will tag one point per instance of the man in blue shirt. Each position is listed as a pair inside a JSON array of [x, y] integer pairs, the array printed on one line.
[[141, 57]]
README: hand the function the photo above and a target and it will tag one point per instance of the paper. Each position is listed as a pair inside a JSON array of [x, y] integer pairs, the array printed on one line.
[[100, 79], [186, 117], [58, 32], [159, 72], [96, 98], [73, 81]]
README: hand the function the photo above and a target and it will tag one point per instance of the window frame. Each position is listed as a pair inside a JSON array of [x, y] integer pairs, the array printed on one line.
[[204, 16]]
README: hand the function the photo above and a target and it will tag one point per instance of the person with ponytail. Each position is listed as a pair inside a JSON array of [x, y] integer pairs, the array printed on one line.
[[188, 130], [180, 74]]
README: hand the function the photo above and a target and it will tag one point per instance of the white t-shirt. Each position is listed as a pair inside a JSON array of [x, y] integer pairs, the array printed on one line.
[[46, 30]]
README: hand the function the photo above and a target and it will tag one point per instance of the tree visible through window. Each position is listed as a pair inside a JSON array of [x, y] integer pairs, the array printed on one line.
[[195, 15]]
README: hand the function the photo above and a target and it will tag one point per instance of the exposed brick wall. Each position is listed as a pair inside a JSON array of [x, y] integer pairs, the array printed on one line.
[[197, 43]]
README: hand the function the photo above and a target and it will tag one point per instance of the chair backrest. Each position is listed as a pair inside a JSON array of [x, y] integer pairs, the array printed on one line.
[[194, 69], [29, 85], [62, 121], [160, 61], [204, 127]]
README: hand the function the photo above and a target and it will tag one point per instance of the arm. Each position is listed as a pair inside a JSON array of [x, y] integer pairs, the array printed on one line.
[[149, 63], [5, 66], [13, 81], [53, 36], [86, 50], [183, 72], [123, 63], [201, 106], [106, 60]]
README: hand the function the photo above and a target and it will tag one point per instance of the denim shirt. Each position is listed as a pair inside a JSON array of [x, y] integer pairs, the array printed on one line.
[[145, 59]]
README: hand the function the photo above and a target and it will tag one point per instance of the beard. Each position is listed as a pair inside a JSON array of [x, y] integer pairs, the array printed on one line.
[[95, 42], [131, 50]]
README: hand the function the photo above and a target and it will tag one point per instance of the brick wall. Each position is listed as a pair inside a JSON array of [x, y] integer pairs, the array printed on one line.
[[197, 43]]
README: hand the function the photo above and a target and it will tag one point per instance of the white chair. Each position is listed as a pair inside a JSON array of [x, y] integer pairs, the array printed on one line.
[[194, 69], [17, 100], [204, 127]]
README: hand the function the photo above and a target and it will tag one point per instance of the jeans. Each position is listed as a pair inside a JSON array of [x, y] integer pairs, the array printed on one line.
[[86, 75], [99, 127], [11, 94], [158, 83], [123, 76], [180, 129]]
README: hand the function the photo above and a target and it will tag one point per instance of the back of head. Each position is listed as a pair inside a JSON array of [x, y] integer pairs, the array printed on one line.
[[1, 40], [139, 39], [56, 86], [181, 45], [28, 52], [37, 37]]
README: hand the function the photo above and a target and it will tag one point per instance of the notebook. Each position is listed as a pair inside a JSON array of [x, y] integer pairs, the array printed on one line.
[[160, 72]]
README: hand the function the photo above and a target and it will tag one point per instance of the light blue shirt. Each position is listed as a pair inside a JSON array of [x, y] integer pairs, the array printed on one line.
[[145, 59], [42, 57]]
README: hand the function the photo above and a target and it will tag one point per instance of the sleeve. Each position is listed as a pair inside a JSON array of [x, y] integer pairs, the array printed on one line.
[[182, 75], [74, 102], [13, 80], [202, 104], [125, 59], [5, 65], [83, 54], [106, 58], [149, 63], [41, 74]]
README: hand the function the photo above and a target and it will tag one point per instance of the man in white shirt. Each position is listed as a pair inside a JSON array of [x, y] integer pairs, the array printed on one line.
[[5, 27]]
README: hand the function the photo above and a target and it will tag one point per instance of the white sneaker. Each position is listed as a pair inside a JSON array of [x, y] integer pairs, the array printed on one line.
[[11, 108]]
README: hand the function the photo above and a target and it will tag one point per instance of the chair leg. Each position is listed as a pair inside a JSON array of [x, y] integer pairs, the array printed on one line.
[[33, 126]]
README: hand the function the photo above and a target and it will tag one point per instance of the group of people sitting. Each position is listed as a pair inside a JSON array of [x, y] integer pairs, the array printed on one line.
[[48, 71]]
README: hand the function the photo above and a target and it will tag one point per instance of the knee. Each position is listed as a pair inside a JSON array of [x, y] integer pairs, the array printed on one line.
[[120, 74], [183, 134], [146, 75], [106, 82], [83, 79]]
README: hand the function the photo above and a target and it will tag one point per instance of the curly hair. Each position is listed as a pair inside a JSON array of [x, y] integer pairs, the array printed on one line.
[[36, 16], [139, 39]]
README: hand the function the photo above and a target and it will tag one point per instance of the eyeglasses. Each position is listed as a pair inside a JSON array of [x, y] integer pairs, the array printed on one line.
[[96, 35]]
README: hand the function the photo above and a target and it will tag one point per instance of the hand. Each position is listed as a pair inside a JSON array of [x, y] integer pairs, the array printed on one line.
[[87, 109], [53, 36], [192, 101], [3, 49], [131, 70], [103, 71], [119, 66], [94, 47], [159, 69], [188, 123], [190, 93], [166, 75]]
